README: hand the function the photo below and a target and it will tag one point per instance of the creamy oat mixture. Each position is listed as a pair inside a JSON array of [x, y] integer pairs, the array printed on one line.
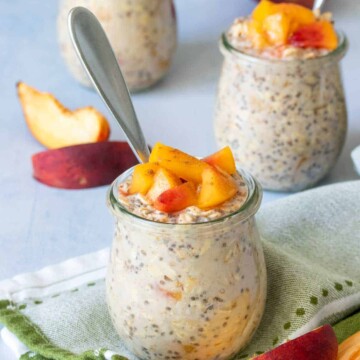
[[141, 32], [139, 205], [284, 119], [186, 291]]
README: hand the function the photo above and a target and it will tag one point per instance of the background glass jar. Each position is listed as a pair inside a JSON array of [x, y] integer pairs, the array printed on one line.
[[141, 32], [285, 120], [186, 291]]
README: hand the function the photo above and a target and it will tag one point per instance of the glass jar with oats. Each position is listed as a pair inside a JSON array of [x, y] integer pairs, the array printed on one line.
[[280, 103], [185, 283], [142, 33]]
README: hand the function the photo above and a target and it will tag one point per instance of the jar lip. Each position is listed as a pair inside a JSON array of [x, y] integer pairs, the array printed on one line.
[[340, 50], [246, 210]]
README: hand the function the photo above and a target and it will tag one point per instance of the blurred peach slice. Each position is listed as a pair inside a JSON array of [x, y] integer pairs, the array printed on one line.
[[55, 126]]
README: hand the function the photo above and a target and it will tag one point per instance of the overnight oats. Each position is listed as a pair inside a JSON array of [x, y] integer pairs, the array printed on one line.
[[187, 278], [280, 101], [143, 34]]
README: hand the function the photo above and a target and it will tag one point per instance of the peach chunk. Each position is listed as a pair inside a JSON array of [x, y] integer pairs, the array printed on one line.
[[277, 28], [177, 198], [55, 126], [163, 180], [298, 15], [319, 344], [224, 159], [181, 164], [217, 187], [263, 10], [320, 34], [349, 349], [256, 34], [143, 178]]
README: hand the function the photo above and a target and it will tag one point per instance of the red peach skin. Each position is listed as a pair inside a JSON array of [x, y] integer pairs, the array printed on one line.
[[319, 344], [83, 166]]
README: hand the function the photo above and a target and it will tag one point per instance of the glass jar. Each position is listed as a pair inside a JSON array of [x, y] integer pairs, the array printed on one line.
[[141, 32], [186, 291], [285, 120]]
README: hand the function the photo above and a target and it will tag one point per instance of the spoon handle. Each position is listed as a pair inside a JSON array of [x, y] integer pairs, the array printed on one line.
[[98, 59]]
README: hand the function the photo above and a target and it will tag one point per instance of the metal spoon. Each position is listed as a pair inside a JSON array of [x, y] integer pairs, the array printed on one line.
[[97, 57], [318, 4]]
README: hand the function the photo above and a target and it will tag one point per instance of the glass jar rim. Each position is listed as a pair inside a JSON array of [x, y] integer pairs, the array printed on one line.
[[339, 52], [246, 210]]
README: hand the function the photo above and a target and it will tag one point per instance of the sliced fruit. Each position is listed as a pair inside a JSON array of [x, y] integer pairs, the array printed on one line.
[[263, 10], [55, 126], [177, 198], [349, 349], [83, 166], [163, 180], [143, 178], [319, 344], [217, 187], [181, 164], [224, 159], [277, 28], [256, 34], [297, 14], [320, 34]]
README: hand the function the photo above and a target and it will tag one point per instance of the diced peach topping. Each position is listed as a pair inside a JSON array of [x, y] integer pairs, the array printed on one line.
[[163, 180], [177, 198], [320, 34], [181, 164], [277, 28], [280, 24], [143, 178], [172, 179], [224, 159], [216, 187]]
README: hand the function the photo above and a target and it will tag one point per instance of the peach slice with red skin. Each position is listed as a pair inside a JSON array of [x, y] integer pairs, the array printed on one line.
[[83, 166], [55, 126], [163, 180], [320, 34], [177, 198], [217, 186], [224, 159], [181, 164], [143, 178], [319, 344]]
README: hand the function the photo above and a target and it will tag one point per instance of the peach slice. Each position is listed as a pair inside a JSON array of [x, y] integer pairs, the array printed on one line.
[[143, 178], [224, 159], [217, 187], [177, 198], [163, 180], [256, 34], [349, 349], [181, 164], [298, 15], [319, 344], [320, 34], [263, 10], [277, 28], [54, 126], [83, 166]]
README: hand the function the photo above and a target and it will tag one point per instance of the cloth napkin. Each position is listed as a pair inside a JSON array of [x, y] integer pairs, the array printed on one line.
[[311, 242]]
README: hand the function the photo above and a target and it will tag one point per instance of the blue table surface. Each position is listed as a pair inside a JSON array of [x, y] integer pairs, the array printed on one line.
[[41, 225]]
